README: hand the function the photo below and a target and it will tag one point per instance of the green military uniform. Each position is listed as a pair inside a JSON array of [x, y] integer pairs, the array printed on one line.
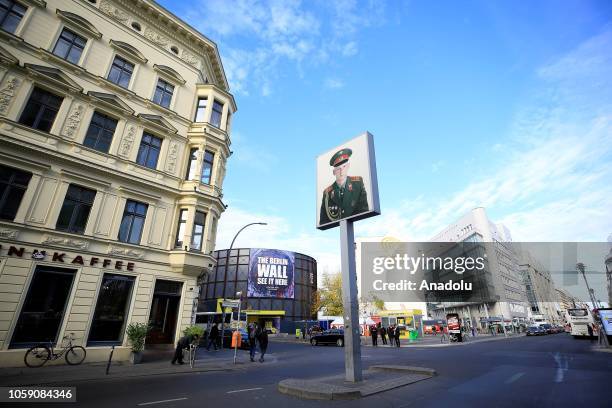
[[343, 201]]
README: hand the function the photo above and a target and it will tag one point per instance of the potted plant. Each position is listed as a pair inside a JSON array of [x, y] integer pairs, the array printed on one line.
[[137, 332], [194, 331]]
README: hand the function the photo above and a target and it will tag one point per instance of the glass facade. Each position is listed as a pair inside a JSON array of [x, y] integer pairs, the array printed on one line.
[[231, 274]]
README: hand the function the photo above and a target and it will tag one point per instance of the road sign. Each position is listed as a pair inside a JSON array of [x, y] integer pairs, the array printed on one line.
[[230, 303]]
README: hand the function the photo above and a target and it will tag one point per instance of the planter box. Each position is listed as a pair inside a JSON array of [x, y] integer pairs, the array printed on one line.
[[136, 357]]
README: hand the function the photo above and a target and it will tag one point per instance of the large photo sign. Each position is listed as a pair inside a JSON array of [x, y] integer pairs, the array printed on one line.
[[347, 187], [271, 273]]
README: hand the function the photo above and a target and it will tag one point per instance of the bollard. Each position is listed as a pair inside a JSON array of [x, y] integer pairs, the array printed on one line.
[[110, 357]]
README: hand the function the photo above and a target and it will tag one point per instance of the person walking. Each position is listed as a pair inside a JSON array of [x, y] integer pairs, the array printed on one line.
[[390, 333], [252, 333], [374, 334], [263, 343], [397, 336], [590, 329], [213, 337], [383, 334]]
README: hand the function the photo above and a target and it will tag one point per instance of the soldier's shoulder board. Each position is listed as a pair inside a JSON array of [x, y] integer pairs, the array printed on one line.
[[356, 178]]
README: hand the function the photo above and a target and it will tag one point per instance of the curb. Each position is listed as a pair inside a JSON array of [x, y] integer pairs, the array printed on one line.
[[291, 386], [405, 369]]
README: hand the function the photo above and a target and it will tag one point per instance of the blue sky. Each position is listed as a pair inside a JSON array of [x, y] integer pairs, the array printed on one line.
[[506, 105]]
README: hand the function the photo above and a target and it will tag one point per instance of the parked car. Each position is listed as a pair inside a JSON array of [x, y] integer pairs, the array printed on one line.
[[547, 327], [535, 331], [333, 336]]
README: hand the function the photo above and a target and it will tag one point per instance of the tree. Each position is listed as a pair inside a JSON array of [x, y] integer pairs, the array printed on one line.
[[370, 304], [328, 298]]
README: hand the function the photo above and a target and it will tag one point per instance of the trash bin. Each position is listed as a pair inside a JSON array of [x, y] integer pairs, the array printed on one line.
[[413, 335], [298, 333]]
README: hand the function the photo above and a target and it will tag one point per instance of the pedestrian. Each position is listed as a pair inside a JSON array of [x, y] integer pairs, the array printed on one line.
[[473, 331], [374, 334], [590, 329], [213, 337], [383, 334], [252, 333], [397, 336], [183, 343], [390, 334], [263, 343]]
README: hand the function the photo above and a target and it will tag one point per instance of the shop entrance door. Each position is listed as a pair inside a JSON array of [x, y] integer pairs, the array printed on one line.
[[164, 312]]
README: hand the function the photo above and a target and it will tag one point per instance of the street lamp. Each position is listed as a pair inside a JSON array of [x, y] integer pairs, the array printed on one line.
[[240, 230], [239, 296], [229, 253]]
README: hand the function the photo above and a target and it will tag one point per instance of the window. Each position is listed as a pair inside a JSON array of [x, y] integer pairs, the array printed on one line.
[[121, 72], [148, 153], [69, 46], [207, 167], [109, 319], [44, 307], [193, 162], [132, 222], [75, 210], [13, 184], [180, 231], [41, 110], [217, 112], [11, 14], [198, 230], [100, 133], [163, 93], [201, 109]]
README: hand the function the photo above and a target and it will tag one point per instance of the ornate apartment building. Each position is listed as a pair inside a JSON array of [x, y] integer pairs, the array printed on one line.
[[114, 134]]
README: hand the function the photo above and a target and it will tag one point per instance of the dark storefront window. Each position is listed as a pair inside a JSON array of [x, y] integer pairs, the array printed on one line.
[[75, 209], [111, 310], [164, 312], [44, 308], [13, 184]]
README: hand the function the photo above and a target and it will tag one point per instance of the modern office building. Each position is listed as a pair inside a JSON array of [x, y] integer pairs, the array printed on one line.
[[540, 289], [276, 286], [114, 134], [502, 284]]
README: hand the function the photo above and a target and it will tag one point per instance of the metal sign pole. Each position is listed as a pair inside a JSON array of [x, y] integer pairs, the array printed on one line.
[[352, 338]]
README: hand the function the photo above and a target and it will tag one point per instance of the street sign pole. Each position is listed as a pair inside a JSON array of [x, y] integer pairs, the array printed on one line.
[[352, 338]]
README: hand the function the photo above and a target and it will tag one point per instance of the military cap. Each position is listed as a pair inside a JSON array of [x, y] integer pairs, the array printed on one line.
[[340, 157]]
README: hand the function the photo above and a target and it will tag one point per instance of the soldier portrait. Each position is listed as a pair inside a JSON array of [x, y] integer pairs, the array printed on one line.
[[347, 195]]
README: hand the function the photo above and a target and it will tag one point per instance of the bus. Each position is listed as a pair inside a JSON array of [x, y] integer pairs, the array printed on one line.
[[579, 319]]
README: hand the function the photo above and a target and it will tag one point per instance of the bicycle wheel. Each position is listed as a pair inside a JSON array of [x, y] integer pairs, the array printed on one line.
[[75, 355], [37, 356]]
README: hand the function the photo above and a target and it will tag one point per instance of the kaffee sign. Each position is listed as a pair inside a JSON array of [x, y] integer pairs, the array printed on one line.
[[61, 257]]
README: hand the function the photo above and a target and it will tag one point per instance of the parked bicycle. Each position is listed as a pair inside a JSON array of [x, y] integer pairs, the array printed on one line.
[[38, 355]]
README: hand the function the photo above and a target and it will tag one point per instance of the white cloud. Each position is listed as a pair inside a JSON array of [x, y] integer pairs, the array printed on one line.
[[271, 32], [553, 184], [334, 83]]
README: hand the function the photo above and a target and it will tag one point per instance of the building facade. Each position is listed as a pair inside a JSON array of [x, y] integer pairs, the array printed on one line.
[[114, 135], [540, 290], [236, 270], [502, 284]]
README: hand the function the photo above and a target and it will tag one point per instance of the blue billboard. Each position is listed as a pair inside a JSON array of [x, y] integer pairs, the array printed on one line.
[[271, 274]]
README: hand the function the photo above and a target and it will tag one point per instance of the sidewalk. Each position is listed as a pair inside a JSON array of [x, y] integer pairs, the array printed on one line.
[[158, 365]]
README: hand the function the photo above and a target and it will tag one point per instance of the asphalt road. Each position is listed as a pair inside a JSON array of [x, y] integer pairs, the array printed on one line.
[[545, 371]]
